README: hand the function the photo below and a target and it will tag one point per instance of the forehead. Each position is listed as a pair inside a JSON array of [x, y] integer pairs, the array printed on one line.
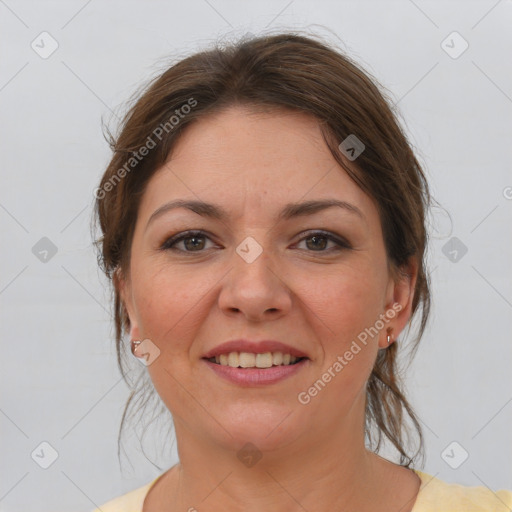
[[250, 159]]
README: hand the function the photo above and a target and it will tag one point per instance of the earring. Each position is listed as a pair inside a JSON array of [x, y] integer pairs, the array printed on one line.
[[389, 331], [134, 345]]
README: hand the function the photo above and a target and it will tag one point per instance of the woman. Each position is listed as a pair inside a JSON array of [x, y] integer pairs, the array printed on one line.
[[263, 224]]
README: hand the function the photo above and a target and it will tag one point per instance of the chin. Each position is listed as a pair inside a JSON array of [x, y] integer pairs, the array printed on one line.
[[265, 426]]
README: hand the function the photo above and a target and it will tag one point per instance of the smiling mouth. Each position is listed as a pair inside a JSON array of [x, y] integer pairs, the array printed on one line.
[[251, 360]]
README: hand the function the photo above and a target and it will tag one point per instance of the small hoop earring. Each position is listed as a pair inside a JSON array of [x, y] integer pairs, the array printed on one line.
[[134, 345], [390, 330]]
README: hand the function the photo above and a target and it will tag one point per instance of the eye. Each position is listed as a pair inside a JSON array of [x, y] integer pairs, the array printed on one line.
[[196, 241], [320, 240], [193, 241]]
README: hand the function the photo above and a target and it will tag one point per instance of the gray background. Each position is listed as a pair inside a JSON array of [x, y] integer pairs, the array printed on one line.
[[59, 381]]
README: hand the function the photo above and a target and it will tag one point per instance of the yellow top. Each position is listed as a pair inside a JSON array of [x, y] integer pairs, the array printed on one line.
[[434, 496]]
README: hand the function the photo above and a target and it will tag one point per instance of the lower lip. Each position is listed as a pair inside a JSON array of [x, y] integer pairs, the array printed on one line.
[[256, 376]]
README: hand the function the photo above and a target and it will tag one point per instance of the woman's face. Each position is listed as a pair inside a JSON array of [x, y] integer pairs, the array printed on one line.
[[260, 272]]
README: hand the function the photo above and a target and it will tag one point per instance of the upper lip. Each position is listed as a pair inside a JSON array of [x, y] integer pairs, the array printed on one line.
[[255, 347]]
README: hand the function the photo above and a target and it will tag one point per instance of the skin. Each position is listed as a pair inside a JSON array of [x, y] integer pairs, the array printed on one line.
[[297, 291]]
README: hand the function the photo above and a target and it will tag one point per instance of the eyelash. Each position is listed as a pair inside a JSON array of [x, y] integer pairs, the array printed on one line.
[[172, 241]]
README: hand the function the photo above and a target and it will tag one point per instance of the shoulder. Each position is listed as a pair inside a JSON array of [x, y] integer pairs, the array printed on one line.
[[437, 495], [129, 502]]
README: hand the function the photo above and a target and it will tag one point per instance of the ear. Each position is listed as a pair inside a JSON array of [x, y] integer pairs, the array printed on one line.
[[123, 286], [399, 300]]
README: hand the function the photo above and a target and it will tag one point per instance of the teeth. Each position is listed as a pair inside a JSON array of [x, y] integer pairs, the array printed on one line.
[[264, 360], [247, 360], [277, 358], [250, 360], [233, 359]]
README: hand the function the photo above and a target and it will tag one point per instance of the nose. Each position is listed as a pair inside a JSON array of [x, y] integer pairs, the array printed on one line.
[[255, 290]]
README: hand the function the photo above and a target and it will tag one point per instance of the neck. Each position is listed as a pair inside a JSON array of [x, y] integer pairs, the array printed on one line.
[[329, 468]]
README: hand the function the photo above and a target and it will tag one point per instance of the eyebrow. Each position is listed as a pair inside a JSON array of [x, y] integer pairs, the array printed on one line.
[[290, 210]]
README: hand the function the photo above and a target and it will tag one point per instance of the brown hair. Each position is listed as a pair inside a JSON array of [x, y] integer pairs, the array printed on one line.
[[304, 74]]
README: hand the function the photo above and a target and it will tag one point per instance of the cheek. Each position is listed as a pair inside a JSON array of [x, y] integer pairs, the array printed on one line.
[[171, 308], [170, 304], [346, 301]]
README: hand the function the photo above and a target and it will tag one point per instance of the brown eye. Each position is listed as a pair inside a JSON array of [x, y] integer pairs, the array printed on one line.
[[318, 242], [192, 241]]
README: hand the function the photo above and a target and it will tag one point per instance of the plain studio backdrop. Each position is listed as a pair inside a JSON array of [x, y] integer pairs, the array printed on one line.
[[65, 65]]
